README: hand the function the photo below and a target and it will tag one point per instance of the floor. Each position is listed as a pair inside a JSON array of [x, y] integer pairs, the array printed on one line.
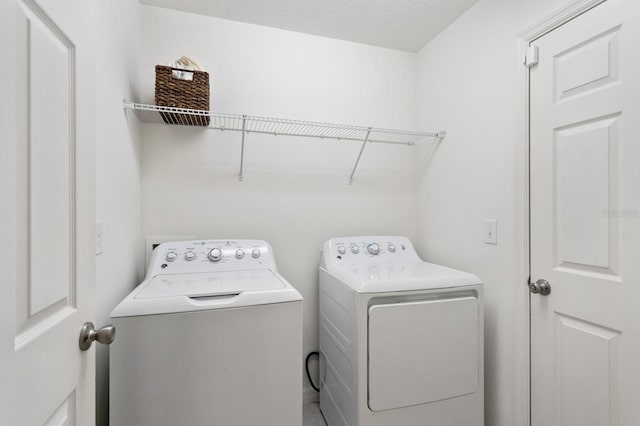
[[311, 415]]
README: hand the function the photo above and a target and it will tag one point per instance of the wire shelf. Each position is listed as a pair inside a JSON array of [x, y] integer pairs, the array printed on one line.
[[279, 126]]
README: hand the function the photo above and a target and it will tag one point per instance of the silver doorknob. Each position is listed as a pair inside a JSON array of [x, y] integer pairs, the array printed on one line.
[[542, 287], [88, 334]]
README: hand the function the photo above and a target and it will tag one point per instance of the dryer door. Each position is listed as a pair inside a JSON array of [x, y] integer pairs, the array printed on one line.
[[421, 352]]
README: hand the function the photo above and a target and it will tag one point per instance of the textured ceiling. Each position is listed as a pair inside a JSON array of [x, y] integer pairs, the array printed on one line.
[[396, 24]]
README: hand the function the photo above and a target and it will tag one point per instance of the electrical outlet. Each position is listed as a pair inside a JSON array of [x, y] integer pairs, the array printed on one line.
[[491, 231], [99, 237]]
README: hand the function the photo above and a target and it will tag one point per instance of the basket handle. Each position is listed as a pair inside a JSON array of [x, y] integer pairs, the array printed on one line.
[[182, 69], [182, 74]]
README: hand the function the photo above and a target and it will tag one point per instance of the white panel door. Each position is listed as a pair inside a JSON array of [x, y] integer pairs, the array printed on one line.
[[47, 212], [585, 220]]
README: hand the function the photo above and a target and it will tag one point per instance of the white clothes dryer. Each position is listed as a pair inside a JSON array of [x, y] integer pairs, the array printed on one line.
[[401, 340], [212, 336]]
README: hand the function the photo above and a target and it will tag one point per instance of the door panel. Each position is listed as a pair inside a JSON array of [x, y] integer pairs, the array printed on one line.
[[588, 366], [47, 214], [46, 198], [50, 154], [587, 66], [585, 220], [586, 185], [64, 415]]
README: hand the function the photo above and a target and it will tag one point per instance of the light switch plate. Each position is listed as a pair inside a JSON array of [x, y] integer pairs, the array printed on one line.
[[99, 237], [491, 231]]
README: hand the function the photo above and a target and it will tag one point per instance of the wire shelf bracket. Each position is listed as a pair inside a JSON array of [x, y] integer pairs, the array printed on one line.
[[246, 124], [244, 132], [355, 166]]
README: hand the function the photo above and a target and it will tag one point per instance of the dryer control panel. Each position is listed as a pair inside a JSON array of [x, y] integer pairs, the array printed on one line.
[[179, 257], [368, 249]]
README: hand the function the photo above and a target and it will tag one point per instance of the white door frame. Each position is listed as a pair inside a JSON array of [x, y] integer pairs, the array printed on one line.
[[522, 341]]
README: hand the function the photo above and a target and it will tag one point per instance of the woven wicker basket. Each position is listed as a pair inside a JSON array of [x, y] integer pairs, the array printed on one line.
[[174, 92]]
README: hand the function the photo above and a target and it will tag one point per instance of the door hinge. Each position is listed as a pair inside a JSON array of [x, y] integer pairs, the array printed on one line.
[[532, 56]]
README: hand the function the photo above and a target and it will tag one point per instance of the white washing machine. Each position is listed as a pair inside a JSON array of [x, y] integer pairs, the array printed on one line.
[[401, 340], [213, 336]]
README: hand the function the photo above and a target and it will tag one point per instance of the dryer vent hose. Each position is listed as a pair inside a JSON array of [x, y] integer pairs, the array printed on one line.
[[306, 364]]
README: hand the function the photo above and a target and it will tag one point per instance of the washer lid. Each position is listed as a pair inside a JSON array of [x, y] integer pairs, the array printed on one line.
[[210, 284], [390, 277], [177, 293]]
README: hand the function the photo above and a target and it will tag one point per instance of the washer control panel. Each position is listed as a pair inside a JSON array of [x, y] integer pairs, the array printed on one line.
[[210, 255], [368, 249]]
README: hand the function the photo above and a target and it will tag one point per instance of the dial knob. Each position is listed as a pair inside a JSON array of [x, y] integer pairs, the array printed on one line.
[[255, 253], [215, 254], [373, 248], [239, 254], [189, 256], [171, 256], [355, 249], [392, 248], [342, 250]]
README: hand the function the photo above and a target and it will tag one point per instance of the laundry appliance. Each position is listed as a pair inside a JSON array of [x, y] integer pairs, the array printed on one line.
[[212, 336], [401, 340]]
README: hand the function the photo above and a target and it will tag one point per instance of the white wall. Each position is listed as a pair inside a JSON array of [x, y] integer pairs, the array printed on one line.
[[467, 78], [119, 267], [296, 192]]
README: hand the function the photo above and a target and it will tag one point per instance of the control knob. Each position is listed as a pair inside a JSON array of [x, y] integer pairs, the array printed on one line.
[[189, 256], [342, 250], [239, 254], [392, 248], [355, 249], [373, 249], [171, 256], [255, 253], [215, 254]]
